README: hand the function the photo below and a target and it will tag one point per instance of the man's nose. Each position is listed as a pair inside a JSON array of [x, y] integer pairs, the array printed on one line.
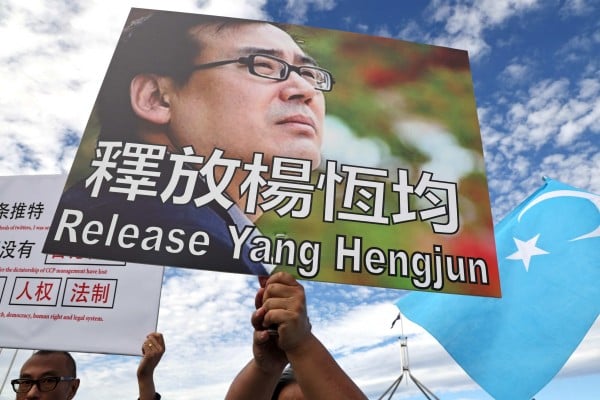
[[33, 393], [297, 88]]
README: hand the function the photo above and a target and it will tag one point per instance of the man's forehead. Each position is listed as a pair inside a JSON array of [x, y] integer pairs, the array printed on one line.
[[299, 57], [45, 364], [241, 39]]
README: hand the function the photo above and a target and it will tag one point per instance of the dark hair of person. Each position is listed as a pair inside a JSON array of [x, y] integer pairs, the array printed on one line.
[[156, 43], [287, 377], [71, 366]]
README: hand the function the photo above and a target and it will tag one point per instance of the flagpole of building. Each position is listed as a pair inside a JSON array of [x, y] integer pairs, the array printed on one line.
[[405, 368], [10, 365]]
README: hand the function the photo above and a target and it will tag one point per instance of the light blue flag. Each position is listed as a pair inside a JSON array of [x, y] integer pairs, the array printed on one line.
[[549, 261]]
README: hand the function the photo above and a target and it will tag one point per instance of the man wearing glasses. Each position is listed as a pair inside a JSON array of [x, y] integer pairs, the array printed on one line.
[[205, 88], [52, 374], [47, 375]]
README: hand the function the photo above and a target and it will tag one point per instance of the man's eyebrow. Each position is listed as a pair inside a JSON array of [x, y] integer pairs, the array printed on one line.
[[301, 59]]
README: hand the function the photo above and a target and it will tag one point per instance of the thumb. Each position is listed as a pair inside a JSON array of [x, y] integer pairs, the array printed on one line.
[[261, 337]]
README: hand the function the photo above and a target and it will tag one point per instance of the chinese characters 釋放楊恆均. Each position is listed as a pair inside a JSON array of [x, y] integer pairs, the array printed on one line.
[[136, 166]]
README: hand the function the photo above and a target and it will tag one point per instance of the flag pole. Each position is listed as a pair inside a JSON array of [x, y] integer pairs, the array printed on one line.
[[406, 368]]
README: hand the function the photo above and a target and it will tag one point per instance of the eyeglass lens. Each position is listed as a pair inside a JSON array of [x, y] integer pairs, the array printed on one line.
[[276, 69], [43, 384]]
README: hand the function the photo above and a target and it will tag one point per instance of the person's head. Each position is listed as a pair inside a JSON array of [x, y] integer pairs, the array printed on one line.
[[287, 387], [155, 91], [47, 375]]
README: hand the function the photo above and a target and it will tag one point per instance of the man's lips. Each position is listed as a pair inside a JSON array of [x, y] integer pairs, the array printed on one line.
[[300, 120]]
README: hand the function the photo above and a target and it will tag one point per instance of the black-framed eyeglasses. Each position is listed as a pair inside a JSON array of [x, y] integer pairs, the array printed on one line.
[[46, 384], [270, 67]]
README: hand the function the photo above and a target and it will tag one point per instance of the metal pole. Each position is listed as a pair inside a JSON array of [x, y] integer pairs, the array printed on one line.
[[12, 361], [406, 368], [428, 393]]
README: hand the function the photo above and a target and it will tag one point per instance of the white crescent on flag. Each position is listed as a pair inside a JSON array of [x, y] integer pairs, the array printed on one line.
[[595, 199]]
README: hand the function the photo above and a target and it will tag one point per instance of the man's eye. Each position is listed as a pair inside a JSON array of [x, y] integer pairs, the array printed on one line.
[[265, 66], [309, 74]]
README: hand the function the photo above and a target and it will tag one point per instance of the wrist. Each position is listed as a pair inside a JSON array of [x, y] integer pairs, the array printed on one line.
[[144, 374], [270, 368], [303, 348]]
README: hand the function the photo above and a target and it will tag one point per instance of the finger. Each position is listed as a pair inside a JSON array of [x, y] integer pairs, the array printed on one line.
[[153, 344], [148, 346], [274, 290], [257, 318], [278, 285], [261, 337], [157, 340], [281, 303], [258, 299], [282, 277], [156, 336], [262, 280], [295, 304], [278, 317], [151, 341], [282, 291]]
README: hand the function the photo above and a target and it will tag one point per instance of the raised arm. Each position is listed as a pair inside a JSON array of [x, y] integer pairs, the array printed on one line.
[[316, 371], [258, 378], [281, 306], [152, 350]]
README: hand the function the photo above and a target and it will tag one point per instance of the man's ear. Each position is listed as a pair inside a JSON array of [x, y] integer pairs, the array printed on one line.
[[73, 389], [148, 100]]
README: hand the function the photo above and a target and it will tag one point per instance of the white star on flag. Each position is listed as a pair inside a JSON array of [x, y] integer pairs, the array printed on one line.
[[526, 250]]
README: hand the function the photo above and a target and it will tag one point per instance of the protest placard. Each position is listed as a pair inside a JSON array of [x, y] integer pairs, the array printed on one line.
[[55, 301], [243, 146]]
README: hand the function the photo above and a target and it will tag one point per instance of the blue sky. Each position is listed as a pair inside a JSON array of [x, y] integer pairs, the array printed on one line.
[[536, 74]]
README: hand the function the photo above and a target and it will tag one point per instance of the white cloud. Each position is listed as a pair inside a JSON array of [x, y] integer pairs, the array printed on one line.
[[465, 23], [589, 89], [516, 72], [296, 10], [576, 168], [553, 123], [577, 7], [552, 112]]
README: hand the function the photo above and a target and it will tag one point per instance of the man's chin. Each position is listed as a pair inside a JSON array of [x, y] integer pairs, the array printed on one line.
[[307, 155]]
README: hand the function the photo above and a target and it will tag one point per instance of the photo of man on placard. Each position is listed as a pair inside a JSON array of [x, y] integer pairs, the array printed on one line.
[[200, 86], [242, 146]]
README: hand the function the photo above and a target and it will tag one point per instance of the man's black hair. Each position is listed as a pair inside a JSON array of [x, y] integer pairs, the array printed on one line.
[[287, 377], [71, 366], [155, 43]]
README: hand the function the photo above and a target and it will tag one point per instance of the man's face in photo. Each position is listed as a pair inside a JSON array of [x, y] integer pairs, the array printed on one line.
[[228, 108]]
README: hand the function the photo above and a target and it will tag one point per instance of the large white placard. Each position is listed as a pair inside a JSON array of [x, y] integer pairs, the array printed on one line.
[[50, 301]]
